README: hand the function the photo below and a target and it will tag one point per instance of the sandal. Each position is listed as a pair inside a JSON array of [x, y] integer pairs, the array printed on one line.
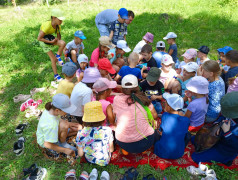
[[201, 170], [211, 175], [21, 97], [94, 174], [149, 177], [84, 176], [60, 62], [105, 176], [35, 172], [131, 174], [70, 175], [19, 129]]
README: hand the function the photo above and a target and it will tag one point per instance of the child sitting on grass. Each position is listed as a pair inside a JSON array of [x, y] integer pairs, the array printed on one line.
[[222, 52], [103, 88], [53, 131], [48, 41], [66, 86], [231, 59], [211, 71], [105, 67], [158, 54], [153, 88], [95, 140], [233, 84], [174, 129], [146, 53], [202, 55], [133, 60], [168, 73], [75, 47], [188, 56], [83, 64], [197, 108], [148, 38], [173, 50]]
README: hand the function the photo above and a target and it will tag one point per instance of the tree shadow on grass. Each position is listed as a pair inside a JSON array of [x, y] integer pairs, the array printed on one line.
[[32, 66]]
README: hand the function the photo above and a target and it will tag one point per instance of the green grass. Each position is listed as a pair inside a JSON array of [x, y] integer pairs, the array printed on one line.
[[24, 65]]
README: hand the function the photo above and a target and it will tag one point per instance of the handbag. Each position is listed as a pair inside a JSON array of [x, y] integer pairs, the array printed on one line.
[[49, 37], [207, 137]]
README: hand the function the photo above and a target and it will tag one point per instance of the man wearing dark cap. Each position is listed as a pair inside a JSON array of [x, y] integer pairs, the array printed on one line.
[[202, 55]]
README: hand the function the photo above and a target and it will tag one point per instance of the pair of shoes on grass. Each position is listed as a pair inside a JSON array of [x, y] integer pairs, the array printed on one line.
[[202, 170], [30, 103], [71, 175], [35, 172], [18, 147]]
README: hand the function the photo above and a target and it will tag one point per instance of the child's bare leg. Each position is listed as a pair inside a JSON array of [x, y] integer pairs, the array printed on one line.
[[61, 45], [53, 61], [73, 55], [63, 130]]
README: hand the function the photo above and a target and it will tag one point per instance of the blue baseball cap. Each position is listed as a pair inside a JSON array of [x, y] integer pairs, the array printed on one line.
[[79, 34], [123, 13], [224, 50], [69, 69]]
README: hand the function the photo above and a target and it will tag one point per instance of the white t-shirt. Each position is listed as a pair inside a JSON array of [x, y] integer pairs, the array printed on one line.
[[71, 45], [199, 61], [165, 76], [80, 95], [139, 46]]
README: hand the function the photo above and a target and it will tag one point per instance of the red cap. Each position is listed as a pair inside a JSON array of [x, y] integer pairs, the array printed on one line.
[[105, 64]]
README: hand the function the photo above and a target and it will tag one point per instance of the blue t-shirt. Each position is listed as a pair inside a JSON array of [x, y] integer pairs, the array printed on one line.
[[125, 70], [119, 30], [183, 85], [172, 142], [216, 92], [230, 73], [157, 55], [107, 16], [175, 52]]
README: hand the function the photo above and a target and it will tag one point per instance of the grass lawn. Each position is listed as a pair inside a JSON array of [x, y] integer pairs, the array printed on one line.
[[24, 65]]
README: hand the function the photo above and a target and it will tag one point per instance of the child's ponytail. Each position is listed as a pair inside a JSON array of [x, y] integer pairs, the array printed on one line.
[[49, 106]]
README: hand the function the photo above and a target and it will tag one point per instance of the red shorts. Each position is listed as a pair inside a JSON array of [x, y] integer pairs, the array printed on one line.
[[195, 129]]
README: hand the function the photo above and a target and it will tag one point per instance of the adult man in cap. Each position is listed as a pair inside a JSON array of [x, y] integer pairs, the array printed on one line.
[[106, 17]]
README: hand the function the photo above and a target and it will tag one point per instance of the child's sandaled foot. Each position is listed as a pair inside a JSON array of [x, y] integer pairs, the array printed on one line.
[[57, 78], [105, 176], [94, 174], [60, 62], [70, 175], [84, 176]]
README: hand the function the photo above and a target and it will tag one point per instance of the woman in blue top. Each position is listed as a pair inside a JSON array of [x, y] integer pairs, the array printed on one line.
[[211, 71]]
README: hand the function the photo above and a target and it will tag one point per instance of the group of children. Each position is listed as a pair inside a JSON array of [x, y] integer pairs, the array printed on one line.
[[118, 100]]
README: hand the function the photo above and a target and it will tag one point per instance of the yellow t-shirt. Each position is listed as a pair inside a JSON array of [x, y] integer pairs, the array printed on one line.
[[65, 87], [47, 28]]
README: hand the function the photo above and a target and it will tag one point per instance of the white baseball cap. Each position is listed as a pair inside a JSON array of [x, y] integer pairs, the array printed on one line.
[[175, 101], [167, 59], [82, 58], [123, 45], [170, 35], [62, 102], [129, 79], [198, 84], [160, 44], [191, 67]]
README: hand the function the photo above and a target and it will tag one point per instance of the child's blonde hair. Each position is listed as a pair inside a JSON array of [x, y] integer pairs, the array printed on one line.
[[133, 57], [232, 79], [212, 66]]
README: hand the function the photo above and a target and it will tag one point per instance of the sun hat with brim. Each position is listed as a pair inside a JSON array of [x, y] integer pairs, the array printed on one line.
[[198, 84], [79, 34], [175, 101], [224, 50], [167, 59], [62, 102], [123, 13], [191, 67], [57, 13], [149, 37], [91, 75], [123, 45], [106, 41], [69, 69], [93, 112], [105, 64], [153, 74], [229, 105], [103, 83], [190, 53], [82, 58], [170, 35], [129, 79]]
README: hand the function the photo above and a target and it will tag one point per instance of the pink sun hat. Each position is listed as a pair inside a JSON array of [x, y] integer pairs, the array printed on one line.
[[190, 53], [149, 37], [103, 83], [198, 84]]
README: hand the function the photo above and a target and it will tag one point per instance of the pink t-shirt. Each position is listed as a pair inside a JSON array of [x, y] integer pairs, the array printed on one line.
[[164, 76], [126, 130], [94, 57]]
